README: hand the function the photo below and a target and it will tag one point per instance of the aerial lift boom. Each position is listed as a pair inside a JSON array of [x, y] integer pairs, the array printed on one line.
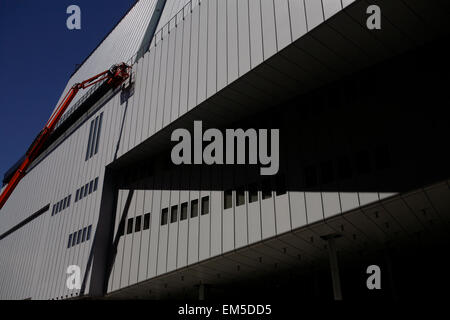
[[113, 77]]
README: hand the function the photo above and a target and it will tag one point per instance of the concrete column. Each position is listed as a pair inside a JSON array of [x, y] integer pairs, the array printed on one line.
[[334, 267]]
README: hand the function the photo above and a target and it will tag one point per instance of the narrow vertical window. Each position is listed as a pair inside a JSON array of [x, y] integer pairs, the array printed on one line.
[[74, 239], [83, 239], [146, 221], [205, 205], [68, 200], [95, 184], [91, 186], [240, 197], [70, 241], [174, 214], [194, 208], [228, 199], [94, 137], [88, 233], [86, 189], [164, 214], [130, 226], [98, 133], [89, 140], [137, 226], [79, 236], [77, 194], [184, 211], [81, 193]]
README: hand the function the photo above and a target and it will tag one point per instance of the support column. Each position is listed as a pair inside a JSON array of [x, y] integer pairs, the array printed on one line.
[[334, 266]]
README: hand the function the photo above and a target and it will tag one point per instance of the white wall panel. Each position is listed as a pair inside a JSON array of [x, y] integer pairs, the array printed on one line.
[[194, 58], [232, 41], [211, 83], [202, 51], [297, 18], [331, 7], [186, 60], [314, 13], [268, 28], [283, 23], [222, 77], [243, 36]]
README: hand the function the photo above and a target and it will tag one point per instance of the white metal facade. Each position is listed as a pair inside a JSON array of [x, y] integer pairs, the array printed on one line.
[[196, 52]]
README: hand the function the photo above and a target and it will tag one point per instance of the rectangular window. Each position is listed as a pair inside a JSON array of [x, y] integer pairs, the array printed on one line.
[[77, 194], [174, 214], [253, 193], [137, 225], [240, 197], [91, 130], [95, 184], [86, 189], [184, 211], [65, 203], [53, 210], [146, 221], [74, 239], [91, 186], [194, 208], [94, 136], [81, 193], [70, 241], [266, 191], [228, 199], [164, 214], [88, 233], [68, 200], [83, 239], [130, 226], [97, 138], [205, 205], [79, 236]]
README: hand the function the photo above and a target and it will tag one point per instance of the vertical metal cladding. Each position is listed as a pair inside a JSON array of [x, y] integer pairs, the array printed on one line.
[[200, 47]]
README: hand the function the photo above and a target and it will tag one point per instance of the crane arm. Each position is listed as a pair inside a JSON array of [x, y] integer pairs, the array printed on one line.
[[113, 77]]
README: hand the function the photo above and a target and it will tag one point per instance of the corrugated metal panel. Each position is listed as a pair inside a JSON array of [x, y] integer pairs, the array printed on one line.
[[119, 46]]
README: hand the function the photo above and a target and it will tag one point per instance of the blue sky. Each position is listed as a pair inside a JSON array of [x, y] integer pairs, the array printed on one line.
[[37, 55]]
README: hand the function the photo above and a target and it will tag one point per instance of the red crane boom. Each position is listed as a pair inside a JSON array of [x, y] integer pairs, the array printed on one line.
[[114, 77]]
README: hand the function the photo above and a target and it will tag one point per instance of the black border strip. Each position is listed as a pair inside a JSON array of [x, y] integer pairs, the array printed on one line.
[[24, 222]]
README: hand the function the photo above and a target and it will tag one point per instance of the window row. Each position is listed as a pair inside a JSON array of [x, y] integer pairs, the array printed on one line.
[[266, 187], [79, 236], [138, 223], [181, 211], [94, 136], [86, 190], [61, 205]]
